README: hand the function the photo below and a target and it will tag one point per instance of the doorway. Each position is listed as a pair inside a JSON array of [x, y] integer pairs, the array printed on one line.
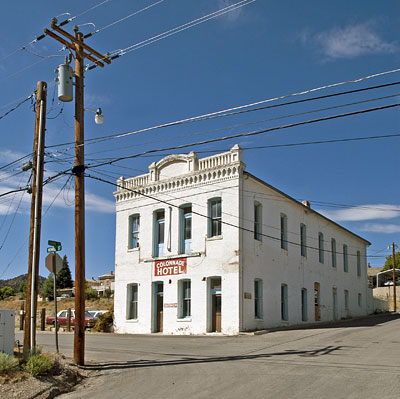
[[158, 306], [316, 302], [216, 304], [334, 300]]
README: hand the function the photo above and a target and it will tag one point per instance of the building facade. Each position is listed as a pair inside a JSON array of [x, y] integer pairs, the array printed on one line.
[[203, 246]]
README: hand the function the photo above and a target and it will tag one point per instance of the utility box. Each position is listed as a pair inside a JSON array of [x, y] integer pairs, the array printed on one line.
[[7, 331], [65, 83]]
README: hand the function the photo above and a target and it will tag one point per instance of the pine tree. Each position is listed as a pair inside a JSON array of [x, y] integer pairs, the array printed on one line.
[[64, 278], [48, 288]]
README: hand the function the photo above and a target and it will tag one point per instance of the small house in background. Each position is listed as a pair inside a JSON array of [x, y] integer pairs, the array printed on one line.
[[106, 282]]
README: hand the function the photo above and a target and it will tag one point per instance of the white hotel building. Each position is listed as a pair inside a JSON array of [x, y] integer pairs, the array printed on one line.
[[203, 246]]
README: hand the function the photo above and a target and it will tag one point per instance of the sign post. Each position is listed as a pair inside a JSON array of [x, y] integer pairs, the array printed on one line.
[[54, 263]]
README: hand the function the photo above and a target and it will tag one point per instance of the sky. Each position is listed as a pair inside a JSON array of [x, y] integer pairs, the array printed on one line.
[[179, 59]]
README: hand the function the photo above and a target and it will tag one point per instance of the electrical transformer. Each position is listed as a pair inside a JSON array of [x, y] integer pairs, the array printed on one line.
[[65, 83]]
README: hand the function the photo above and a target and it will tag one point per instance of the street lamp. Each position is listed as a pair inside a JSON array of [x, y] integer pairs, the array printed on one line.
[[99, 117]]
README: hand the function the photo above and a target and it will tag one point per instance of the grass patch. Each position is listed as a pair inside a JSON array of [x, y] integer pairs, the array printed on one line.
[[39, 364], [7, 363]]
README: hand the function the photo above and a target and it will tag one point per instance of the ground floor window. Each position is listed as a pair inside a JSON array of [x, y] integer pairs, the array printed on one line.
[[284, 302], [304, 312], [132, 296], [184, 294], [258, 298]]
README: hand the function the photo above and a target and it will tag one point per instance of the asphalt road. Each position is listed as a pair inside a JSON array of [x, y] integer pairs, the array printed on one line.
[[349, 360]]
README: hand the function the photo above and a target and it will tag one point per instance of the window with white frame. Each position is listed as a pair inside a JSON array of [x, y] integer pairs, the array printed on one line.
[[132, 302], [184, 294], [214, 217], [159, 232], [345, 258], [258, 291], [185, 229], [303, 240], [333, 252], [284, 302], [358, 264], [321, 248], [257, 221], [133, 237], [284, 232]]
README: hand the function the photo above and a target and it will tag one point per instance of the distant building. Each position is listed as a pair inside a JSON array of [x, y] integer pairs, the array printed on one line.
[[204, 246], [107, 282]]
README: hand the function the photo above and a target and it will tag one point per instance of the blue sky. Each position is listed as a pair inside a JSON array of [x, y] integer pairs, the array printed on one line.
[[261, 50]]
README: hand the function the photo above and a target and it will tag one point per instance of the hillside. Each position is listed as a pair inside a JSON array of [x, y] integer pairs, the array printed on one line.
[[16, 281]]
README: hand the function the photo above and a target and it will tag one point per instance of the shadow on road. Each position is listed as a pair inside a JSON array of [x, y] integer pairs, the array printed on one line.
[[195, 360], [368, 321]]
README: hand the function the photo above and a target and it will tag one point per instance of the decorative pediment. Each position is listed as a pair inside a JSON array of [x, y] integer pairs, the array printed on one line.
[[173, 165]]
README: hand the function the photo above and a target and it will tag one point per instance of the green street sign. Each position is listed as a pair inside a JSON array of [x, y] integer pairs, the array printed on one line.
[[54, 249], [54, 243]]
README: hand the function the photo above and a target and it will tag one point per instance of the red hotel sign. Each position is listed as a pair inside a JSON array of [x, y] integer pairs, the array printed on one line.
[[170, 267]]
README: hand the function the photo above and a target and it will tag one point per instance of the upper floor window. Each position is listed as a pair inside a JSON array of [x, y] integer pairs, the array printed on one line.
[[159, 232], [258, 298], [358, 263], [333, 252], [132, 299], [284, 233], [257, 221], [214, 217], [133, 238], [321, 248], [185, 229], [345, 258], [185, 298], [303, 240]]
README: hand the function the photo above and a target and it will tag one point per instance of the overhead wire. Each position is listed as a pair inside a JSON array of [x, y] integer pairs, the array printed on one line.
[[122, 19], [252, 133], [244, 125], [224, 113], [188, 25], [208, 217], [17, 106]]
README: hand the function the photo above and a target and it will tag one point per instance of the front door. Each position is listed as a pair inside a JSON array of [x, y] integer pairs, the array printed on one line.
[[316, 301], [216, 312], [158, 306]]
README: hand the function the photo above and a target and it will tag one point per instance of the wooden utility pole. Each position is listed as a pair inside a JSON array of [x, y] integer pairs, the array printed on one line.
[[394, 277], [35, 224], [75, 44]]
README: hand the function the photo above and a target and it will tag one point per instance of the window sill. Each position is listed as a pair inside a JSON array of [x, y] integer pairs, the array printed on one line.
[[132, 320], [258, 319], [214, 238], [183, 319], [133, 249]]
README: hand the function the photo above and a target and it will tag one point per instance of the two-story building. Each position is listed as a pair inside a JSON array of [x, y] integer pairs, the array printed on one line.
[[203, 246]]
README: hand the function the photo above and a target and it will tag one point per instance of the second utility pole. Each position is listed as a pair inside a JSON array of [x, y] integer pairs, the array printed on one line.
[[76, 45]]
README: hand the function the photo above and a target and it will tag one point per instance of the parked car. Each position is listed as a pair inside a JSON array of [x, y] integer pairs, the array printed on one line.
[[97, 313], [62, 318]]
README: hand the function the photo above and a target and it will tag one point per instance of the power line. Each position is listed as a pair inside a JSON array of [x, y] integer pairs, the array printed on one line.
[[17, 106], [208, 217], [177, 29], [224, 113], [122, 19], [244, 124], [253, 133]]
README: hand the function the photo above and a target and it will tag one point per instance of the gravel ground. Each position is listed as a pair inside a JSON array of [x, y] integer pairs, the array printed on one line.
[[22, 385]]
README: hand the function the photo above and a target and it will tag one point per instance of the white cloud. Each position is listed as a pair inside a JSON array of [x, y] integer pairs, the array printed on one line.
[[364, 212], [381, 228], [350, 41]]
